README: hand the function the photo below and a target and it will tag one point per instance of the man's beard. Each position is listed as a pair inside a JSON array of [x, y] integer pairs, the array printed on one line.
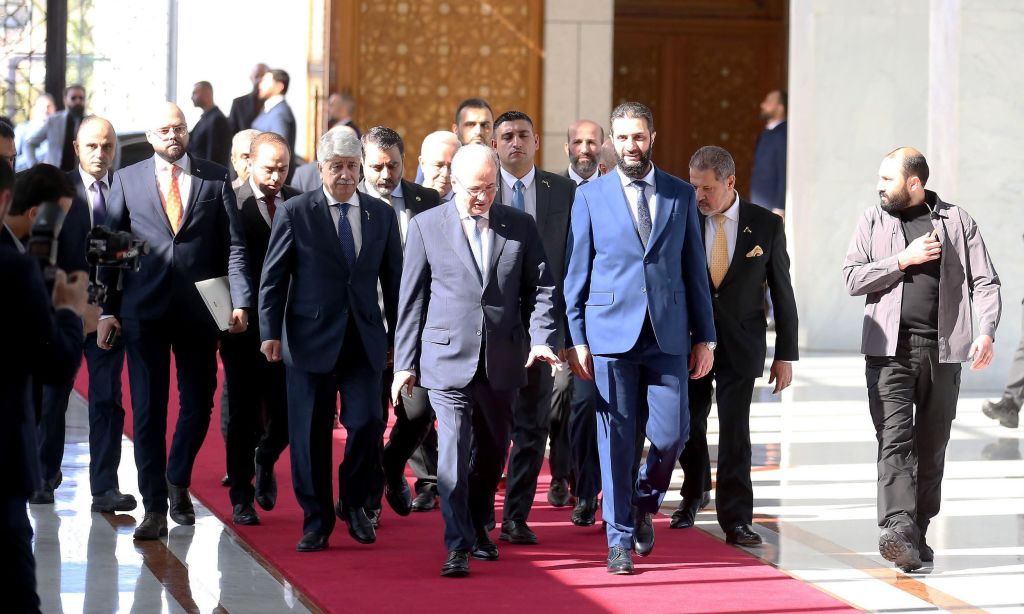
[[77, 111], [638, 170], [896, 203], [583, 168]]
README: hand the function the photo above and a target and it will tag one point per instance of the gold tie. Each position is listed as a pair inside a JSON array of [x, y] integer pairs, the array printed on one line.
[[719, 252], [172, 199]]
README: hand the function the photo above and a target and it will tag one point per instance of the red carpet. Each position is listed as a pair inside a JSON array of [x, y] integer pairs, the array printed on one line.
[[689, 571]]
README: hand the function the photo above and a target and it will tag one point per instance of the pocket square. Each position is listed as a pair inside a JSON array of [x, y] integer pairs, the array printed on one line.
[[754, 253]]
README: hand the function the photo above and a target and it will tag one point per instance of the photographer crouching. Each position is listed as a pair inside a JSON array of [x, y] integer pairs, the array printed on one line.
[[43, 343]]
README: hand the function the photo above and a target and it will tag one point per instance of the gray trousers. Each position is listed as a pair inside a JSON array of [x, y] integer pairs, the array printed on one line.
[[1014, 392], [912, 398]]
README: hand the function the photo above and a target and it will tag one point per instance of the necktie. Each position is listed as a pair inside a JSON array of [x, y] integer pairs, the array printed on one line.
[[348, 242], [271, 207], [99, 205], [478, 244], [518, 198], [719, 252], [172, 198], [584, 181], [643, 212]]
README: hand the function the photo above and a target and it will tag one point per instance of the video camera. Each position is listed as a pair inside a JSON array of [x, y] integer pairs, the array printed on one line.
[[111, 249], [42, 240]]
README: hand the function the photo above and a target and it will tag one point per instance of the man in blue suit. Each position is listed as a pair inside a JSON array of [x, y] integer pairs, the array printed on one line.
[[329, 248], [477, 309], [768, 176], [636, 304], [184, 208], [276, 115]]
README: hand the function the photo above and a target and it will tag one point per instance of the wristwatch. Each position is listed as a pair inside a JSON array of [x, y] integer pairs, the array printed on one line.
[[710, 344]]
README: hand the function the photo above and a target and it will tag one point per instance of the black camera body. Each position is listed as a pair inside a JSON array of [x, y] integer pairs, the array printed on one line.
[[43, 240], [111, 249]]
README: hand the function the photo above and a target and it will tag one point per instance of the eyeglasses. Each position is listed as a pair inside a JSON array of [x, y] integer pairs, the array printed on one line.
[[476, 193], [169, 130]]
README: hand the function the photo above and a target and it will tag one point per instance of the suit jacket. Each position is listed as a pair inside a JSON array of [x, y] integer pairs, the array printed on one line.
[[211, 138], [307, 291], [768, 177], [739, 302], [307, 177], [209, 243], [417, 198], [74, 234], [555, 195], [244, 109], [279, 120], [47, 345], [447, 311], [613, 283], [52, 131]]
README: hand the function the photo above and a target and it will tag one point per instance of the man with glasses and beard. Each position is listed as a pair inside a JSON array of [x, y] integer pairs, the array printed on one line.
[[184, 208], [59, 132], [923, 267], [639, 318]]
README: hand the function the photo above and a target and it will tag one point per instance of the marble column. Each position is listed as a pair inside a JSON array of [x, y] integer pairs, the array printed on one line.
[[577, 71]]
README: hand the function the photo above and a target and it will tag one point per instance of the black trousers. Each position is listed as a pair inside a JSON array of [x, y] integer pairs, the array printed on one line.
[[423, 462], [19, 578], [414, 420], [734, 496], [1014, 392], [912, 398], [531, 419], [106, 413], [560, 457], [256, 409], [583, 439]]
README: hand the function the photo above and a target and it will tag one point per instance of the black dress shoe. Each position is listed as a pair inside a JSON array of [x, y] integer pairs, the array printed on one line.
[[225, 481], [180, 509], [41, 497], [484, 549], [517, 532], [244, 513], [398, 495], [360, 527], [643, 533], [424, 501], [373, 513], [1002, 410], [153, 526], [113, 501], [686, 514], [558, 493], [312, 542], [266, 486], [585, 512], [743, 535], [457, 565], [620, 561], [897, 546]]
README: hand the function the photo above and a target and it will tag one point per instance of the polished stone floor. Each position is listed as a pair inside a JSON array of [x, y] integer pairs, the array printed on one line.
[[814, 493]]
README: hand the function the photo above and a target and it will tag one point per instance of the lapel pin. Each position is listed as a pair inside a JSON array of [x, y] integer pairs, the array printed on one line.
[[418, 199], [545, 182], [746, 230]]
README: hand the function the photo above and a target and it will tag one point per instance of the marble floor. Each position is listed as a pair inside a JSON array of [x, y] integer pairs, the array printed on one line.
[[814, 488]]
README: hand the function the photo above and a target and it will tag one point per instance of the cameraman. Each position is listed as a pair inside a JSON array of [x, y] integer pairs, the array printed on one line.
[[47, 339]]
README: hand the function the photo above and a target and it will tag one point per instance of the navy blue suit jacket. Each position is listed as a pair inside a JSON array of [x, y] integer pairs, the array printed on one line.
[[308, 292], [447, 311], [211, 138], [77, 225], [210, 243], [768, 178], [281, 121], [612, 283]]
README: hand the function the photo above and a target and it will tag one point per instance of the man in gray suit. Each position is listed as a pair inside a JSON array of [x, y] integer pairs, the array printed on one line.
[[547, 198], [476, 310], [59, 132]]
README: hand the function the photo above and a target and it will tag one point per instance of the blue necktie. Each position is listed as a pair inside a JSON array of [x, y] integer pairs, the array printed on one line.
[[643, 212], [99, 205], [478, 245], [518, 199], [348, 243]]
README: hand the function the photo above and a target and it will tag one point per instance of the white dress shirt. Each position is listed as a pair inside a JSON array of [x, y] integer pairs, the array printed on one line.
[[184, 177], [469, 226], [14, 238], [272, 102], [732, 224], [650, 192], [261, 201], [397, 202], [579, 179], [88, 180], [352, 216], [529, 190]]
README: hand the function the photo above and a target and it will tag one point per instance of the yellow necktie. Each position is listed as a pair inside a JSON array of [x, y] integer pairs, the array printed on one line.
[[719, 252], [172, 199]]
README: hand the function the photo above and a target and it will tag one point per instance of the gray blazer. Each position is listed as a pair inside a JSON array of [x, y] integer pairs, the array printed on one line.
[[52, 131], [446, 311], [967, 280], [307, 177]]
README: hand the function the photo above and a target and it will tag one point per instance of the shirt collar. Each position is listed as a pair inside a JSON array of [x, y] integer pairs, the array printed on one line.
[[331, 201], [272, 102], [578, 178], [464, 214], [17, 242], [88, 180], [648, 178], [257, 192], [511, 179], [182, 163], [733, 212], [775, 124]]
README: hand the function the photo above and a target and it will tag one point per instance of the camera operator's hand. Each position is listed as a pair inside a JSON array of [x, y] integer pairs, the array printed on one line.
[[239, 321], [71, 291], [272, 350], [91, 318], [108, 328]]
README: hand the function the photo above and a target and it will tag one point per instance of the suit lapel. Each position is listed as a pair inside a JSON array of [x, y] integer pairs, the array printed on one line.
[[457, 239], [542, 188], [666, 195], [501, 191], [744, 243], [368, 225], [147, 174], [499, 234], [193, 193], [328, 229], [615, 196]]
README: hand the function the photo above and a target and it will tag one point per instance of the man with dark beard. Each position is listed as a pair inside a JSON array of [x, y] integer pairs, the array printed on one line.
[[921, 263], [59, 132]]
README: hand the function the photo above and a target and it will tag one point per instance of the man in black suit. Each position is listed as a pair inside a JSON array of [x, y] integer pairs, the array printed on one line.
[[746, 249], [768, 177], [183, 207], [48, 335], [547, 198], [383, 165], [256, 403], [211, 136], [246, 107]]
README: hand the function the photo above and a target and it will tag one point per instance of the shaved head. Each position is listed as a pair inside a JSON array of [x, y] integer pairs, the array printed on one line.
[[912, 163]]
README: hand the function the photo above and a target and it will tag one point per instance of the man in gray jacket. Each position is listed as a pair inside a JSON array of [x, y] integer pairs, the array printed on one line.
[[923, 267]]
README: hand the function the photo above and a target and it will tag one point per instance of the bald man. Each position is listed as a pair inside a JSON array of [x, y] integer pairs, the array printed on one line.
[[194, 233], [923, 267]]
